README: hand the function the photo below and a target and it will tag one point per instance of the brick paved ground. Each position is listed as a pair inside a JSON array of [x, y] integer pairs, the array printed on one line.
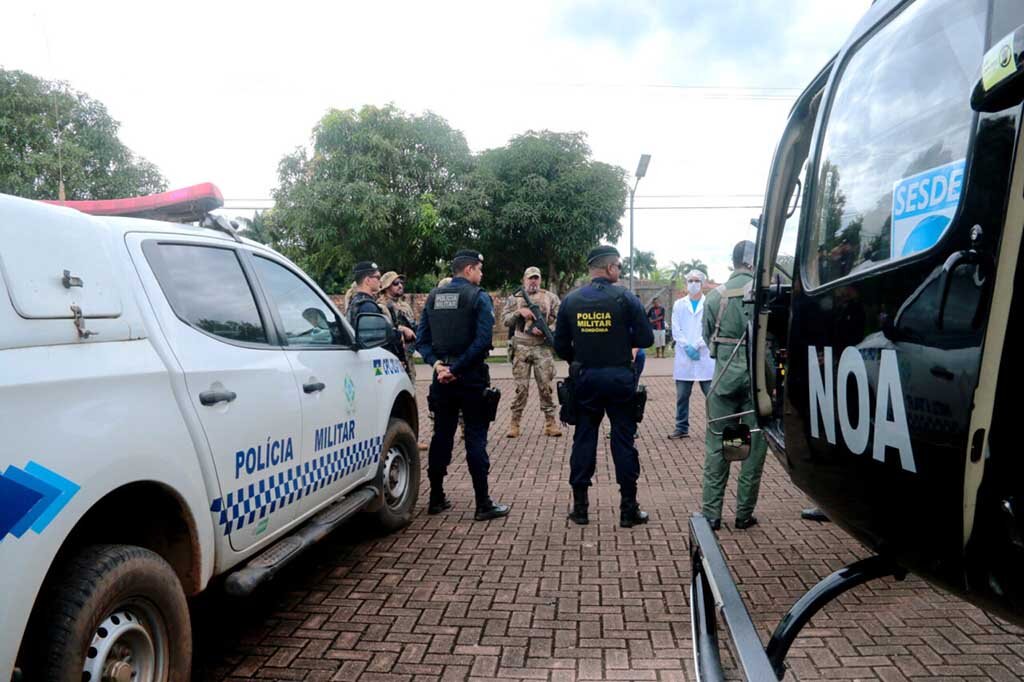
[[531, 597]]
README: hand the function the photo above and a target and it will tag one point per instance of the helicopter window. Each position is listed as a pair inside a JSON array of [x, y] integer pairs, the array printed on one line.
[[784, 260], [899, 120], [918, 319]]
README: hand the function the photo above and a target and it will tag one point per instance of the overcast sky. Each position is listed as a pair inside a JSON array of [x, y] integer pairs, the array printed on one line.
[[220, 91]]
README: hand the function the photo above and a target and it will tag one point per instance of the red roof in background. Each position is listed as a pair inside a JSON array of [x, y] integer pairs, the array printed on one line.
[[185, 205]]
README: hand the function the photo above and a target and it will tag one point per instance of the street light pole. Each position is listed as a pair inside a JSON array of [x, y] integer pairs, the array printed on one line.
[[632, 261], [641, 170]]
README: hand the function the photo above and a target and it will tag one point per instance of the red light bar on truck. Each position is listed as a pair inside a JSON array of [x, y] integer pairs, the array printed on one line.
[[185, 205]]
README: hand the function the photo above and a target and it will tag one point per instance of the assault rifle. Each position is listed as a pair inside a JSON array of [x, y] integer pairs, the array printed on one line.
[[538, 316]]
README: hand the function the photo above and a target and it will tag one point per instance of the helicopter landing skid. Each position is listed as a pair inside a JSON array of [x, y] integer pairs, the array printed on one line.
[[712, 590]]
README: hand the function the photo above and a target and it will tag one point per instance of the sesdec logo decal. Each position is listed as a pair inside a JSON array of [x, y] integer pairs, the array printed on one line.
[[923, 206], [31, 498]]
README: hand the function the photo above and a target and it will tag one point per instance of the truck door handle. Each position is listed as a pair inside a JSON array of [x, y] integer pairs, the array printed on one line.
[[315, 387], [214, 397]]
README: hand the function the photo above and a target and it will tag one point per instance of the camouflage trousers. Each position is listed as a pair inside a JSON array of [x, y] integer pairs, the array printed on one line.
[[541, 360], [410, 365]]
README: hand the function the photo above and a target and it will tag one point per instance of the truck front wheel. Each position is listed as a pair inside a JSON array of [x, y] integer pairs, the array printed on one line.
[[116, 612], [399, 477]]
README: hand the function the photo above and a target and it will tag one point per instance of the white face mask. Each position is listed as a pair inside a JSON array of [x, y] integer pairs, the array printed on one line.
[[693, 287]]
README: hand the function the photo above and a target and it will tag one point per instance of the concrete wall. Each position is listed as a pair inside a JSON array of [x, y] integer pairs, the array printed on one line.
[[499, 335], [645, 289]]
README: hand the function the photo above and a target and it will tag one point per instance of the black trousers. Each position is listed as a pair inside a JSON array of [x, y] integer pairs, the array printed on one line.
[[463, 395], [608, 390]]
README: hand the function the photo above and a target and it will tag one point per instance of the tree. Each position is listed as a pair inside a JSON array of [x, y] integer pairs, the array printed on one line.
[[377, 184], [541, 200], [646, 265], [259, 229], [666, 274], [690, 265], [48, 131]]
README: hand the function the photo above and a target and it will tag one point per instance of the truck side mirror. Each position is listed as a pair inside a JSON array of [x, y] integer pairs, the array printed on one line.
[[736, 442], [1002, 75], [373, 330]]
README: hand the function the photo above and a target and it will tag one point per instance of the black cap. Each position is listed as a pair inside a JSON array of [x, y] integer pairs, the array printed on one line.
[[601, 252], [469, 253], [364, 267]]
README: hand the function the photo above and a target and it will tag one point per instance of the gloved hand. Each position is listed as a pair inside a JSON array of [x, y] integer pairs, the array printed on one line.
[[692, 353]]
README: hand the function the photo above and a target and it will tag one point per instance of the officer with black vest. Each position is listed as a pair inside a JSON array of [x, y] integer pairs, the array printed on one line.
[[454, 337], [367, 278], [367, 287], [598, 326]]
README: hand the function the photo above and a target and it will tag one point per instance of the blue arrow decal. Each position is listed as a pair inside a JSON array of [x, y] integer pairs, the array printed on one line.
[[67, 491], [32, 498], [47, 495], [15, 501]]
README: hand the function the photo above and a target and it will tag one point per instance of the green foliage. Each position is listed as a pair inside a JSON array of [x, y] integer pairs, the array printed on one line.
[[405, 191], [380, 185], [259, 229], [646, 265], [46, 126], [689, 265], [541, 200]]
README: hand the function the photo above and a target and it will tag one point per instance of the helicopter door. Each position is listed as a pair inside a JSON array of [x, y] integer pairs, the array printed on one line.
[[885, 333], [776, 242]]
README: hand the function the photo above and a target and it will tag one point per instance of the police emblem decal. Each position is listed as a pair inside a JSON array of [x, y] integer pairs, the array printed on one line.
[[446, 302], [350, 395]]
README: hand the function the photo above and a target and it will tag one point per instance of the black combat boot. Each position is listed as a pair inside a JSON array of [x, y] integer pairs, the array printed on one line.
[[439, 502], [486, 508], [629, 512], [580, 507], [489, 509], [743, 524]]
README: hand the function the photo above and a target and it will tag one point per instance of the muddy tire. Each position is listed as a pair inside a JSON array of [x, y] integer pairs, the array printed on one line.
[[114, 612], [399, 476]]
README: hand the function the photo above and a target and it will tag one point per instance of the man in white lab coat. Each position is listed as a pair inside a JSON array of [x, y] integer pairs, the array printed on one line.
[[693, 362]]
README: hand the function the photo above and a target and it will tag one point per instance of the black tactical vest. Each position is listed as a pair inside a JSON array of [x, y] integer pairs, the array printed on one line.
[[600, 327], [355, 304], [449, 311]]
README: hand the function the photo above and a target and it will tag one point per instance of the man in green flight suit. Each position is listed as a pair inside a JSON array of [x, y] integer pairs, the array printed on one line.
[[725, 321]]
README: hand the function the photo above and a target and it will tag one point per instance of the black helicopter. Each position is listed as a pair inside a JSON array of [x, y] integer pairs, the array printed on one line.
[[885, 344]]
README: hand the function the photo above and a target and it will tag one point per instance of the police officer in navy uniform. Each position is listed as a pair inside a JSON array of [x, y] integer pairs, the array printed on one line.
[[598, 326], [367, 288], [454, 337]]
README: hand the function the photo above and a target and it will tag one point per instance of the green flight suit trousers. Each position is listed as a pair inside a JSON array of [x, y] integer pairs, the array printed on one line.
[[716, 469]]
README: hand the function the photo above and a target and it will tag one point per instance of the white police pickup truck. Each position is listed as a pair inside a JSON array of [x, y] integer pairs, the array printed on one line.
[[176, 403]]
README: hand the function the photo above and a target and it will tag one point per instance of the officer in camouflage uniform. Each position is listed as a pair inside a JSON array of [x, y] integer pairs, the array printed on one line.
[[392, 298], [725, 321], [532, 351]]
